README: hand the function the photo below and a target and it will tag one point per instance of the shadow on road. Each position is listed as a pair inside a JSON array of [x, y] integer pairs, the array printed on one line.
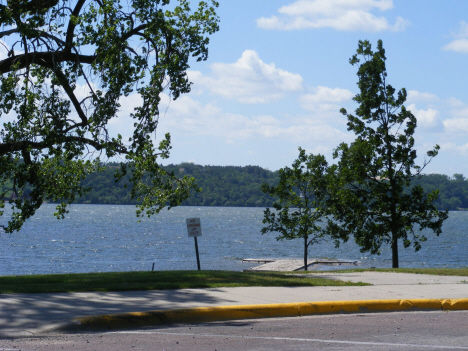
[[32, 311]]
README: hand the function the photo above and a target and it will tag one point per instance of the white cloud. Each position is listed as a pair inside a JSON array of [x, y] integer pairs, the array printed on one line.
[[459, 108], [427, 119], [192, 117], [457, 45], [416, 96], [343, 15], [83, 91], [462, 31], [320, 149], [248, 80], [325, 98], [187, 117], [460, 44], [454, 148], [455, 102], [456, 125]]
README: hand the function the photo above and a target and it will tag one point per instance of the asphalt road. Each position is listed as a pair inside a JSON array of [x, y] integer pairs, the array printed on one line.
[[371, 331]]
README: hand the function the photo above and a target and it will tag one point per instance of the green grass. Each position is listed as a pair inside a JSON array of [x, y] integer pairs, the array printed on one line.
[[433, 271], [124, 281]]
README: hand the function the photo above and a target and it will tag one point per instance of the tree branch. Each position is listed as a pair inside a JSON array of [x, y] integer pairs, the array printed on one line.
[[33, 6], [41, 58], [68, 89], [72, 25], [8, 32], [23, 145]]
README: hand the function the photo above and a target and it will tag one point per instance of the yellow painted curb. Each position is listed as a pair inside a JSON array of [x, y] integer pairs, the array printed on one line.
[[222, 313]]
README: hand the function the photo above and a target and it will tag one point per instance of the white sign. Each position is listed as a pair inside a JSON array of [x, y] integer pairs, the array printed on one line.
[[193, 227]]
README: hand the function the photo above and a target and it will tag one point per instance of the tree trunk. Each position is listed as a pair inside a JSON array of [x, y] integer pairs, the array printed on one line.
[[305, 251], [394, 251]]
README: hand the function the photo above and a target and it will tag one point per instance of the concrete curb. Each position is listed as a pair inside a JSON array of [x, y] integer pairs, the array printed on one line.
[[222, 313]]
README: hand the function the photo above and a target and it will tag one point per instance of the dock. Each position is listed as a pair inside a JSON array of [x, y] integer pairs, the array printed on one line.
[[290, 265]]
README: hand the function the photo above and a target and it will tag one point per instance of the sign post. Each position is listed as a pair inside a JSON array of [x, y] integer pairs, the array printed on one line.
[[194, 231]]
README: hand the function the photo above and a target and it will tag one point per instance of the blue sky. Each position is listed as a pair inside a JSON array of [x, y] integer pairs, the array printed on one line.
[[278, 74]]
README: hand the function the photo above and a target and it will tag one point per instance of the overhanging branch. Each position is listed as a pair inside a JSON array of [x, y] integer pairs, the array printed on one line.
[[16, 146], [23, 60]]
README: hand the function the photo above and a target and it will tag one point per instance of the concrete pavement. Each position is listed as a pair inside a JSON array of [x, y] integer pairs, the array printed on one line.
[[33, 314]]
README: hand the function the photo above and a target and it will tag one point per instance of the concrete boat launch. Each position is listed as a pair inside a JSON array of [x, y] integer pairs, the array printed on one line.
[[282, 265]]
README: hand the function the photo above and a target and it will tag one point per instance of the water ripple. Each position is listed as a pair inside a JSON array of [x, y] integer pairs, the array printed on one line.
[[99, 238]]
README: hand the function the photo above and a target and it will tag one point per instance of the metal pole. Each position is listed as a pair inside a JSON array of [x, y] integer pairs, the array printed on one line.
[[196, 251]]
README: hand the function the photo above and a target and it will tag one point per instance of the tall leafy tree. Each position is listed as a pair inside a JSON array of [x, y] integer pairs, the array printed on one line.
[[370, 201], [299, 206], [69, 63]]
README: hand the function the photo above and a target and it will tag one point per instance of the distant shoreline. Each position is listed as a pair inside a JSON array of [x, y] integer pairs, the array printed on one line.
[[235, 186]]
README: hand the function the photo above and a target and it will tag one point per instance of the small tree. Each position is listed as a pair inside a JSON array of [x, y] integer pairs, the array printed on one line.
[[298, 209], [371, 199]]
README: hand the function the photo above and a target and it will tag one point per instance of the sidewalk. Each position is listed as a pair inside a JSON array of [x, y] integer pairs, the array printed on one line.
[[31, 314]]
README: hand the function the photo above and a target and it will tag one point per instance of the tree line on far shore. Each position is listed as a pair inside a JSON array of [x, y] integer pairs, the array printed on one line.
[[220, 186], [241, 187]]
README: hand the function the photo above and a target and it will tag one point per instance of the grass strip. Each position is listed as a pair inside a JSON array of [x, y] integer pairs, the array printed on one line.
[[160, 280], [433, 271]]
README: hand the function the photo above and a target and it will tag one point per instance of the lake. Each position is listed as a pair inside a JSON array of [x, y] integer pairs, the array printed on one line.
[[103, 238]]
